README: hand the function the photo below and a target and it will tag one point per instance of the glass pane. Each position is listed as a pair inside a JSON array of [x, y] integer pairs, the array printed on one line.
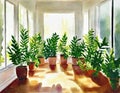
[[9, 24], [117, 28], [59, 23], [30, 20], [105, 23], [91, 15], [23, 16], [2, 53]]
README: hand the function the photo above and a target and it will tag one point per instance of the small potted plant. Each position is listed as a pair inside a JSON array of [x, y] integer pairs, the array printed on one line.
[[63, 49], [50, 50], [40, 53], [77, 49], [35, 47], [18, 53]]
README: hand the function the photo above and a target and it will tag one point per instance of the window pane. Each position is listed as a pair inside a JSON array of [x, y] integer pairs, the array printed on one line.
[[23, 16], [117, 28], [30, 20], [59, 23], [91, 15], [105, 23], [1, 34], [9, 24]]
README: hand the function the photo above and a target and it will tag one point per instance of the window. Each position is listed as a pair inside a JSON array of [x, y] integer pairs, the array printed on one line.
[[9, 25], [30, 23], [26, 19], [85, 23], [23, 16], [105, 21], [1, 34], [7, 29], [117, 27], [59, 23], [91, 16]]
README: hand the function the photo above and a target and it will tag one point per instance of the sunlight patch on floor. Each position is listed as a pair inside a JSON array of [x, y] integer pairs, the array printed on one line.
[[86, 81], [59, 78]]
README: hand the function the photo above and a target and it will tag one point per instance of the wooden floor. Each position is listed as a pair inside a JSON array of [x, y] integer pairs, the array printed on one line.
[[43, 80]]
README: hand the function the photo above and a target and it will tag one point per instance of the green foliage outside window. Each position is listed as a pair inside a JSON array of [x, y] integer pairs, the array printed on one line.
[[1, 30], [117, 34]]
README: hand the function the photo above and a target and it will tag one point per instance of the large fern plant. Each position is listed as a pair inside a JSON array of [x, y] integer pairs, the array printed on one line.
[[18, 52], [94, 53], [14, 52]]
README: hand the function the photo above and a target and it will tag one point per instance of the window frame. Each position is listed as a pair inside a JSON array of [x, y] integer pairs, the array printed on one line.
[[5, 63], [111, 30]]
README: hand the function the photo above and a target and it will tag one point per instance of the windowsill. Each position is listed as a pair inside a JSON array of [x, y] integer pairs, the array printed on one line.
[[6, 68], [7, 75]]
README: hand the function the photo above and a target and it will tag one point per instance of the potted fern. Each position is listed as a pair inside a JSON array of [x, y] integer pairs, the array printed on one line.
[[18, 53], [34, 48], [94, 53], [63, 49], [50, 50], [77, 49], [40, 47], [111, 67]]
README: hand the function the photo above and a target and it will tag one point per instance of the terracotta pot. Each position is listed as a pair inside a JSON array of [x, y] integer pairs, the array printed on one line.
[[52, 63], [100, 79], [21, 72], [63, 62], [64, 66], [52, 67], [74, 60], [89, 73], [31, 66], [42, 60], [77, 70], [31, 73]]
